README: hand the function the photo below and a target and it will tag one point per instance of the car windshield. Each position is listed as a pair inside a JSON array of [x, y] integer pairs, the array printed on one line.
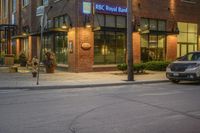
[[190, 57]]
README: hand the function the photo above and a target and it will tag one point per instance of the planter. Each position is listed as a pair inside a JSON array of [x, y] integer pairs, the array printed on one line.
[[34, 74], [50, 69]]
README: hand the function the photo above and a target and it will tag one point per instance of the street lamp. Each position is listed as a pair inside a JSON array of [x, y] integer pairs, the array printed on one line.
[[129, 42], [43, 17]]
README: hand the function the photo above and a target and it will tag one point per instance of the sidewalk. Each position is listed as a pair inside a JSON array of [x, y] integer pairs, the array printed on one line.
[[60, 79]]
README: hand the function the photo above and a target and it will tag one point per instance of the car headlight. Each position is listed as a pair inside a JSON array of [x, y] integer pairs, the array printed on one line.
[[169, 66]]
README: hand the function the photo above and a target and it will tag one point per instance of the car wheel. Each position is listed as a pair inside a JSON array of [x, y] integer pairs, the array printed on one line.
[[175, 81]]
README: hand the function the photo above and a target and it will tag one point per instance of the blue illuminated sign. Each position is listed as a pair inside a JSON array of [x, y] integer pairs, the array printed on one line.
[[110, 9]]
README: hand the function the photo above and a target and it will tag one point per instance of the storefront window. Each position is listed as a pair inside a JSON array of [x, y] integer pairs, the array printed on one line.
[[109, 43], [99, 20], [109, 47], [48, 43], [153, 44], [161, 25], [121, 22], [153, 24], [144, 23], [25, 47], [110, 21], [60, 20], [13, 47], [187, 39], [61, 48], [152, 47]]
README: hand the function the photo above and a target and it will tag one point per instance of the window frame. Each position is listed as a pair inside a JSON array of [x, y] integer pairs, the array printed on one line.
[[25, 3]]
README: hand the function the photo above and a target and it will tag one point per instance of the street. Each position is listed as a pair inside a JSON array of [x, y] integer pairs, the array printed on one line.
[[143, 108]]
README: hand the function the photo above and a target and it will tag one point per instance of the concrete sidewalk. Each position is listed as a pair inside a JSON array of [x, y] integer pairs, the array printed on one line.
[[23, 79]]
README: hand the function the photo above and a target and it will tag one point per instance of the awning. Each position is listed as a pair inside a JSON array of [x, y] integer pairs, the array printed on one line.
[[19, 36], [50, 31]]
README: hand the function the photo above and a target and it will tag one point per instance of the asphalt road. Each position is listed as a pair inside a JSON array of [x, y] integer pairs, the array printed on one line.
[[148, 108]]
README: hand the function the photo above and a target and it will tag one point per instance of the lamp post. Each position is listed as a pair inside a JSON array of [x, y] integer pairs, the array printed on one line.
[[129, 42], [43, 17]]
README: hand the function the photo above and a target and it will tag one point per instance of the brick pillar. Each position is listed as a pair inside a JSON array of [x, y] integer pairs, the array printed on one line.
[[198, 48], [81, 57], [9, 42], [17, 47], [136, 47], [171, 54], [29, 47]]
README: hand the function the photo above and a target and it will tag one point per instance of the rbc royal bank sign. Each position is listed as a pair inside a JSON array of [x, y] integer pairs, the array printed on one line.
[[110, 9]]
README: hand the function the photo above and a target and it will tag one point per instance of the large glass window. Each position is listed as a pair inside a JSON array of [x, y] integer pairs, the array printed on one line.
[[121, 22], [61, 48], [152, 47], [5, 8], [153, 24], [109, 47], [110, 21], [153, 44], [25, 2], [14, 5], [61, 20], [45, 2], [187, 39]]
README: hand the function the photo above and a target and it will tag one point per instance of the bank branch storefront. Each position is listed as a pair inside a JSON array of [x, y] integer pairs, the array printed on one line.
[[154, 39]]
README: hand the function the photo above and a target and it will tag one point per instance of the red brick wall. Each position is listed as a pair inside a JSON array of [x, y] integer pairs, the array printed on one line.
[[81, 60], [171, 48], [136, 47], [86, 56]]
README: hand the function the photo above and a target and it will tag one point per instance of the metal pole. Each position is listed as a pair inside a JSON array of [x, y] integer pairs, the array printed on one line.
[[40, 46], [129, 41]]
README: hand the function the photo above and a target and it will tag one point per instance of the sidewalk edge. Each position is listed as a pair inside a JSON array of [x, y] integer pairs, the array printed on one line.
[[84, 85]]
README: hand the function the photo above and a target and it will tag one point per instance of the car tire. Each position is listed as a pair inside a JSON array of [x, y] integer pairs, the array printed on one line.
[[175, 81]]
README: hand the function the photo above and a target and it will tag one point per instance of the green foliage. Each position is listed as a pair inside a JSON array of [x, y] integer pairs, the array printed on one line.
[[152, 65], [139, 68], [122, 67], [156, 65], [16, 60], [22, 59]]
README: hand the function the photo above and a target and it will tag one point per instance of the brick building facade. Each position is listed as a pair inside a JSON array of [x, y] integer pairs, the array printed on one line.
[[95, 39]]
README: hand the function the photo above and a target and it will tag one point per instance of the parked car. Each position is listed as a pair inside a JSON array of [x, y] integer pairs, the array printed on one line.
[[185, 68]]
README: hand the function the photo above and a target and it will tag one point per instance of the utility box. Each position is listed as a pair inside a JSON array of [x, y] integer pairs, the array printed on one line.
[[9, 60]]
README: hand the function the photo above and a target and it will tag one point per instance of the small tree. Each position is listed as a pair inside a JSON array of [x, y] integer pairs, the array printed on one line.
[[22, 59]]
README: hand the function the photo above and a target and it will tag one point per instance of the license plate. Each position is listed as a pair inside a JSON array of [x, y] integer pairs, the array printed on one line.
[[176, 74]]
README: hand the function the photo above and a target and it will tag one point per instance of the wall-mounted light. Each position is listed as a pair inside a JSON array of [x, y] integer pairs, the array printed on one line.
[[24, 33], [88, 25], [64, 25]]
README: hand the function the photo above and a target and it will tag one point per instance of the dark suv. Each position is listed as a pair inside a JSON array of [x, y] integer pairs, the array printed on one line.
[[185, 68]]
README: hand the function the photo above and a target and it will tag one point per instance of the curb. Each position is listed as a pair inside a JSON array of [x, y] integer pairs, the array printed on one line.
[[83, 86]]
